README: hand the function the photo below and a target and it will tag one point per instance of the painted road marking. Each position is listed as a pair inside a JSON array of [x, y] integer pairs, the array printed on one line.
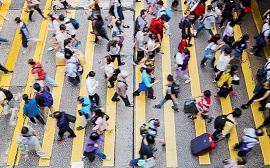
[[3, 11]]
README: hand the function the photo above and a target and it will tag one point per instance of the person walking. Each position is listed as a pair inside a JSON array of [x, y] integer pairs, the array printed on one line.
[[140, 44], [101, 124], [31, 110], [34, 5], [140, 22], [207, 22], [245, 6], [118, 12], [5, 97], [91, 87], [181, 65], [53, 26], [240, 46], [121, 89], [5, 70], [227, 12], [115, 51], [92, 147], [63, 125], [199, 10], [43, 98], [146, 81], [109, 70], [187, 24], [171, 94], [229, 124], [118, 33], [99, 29], [183, 43], [228, 34], [40, 74], [27, 140], [85, 110]]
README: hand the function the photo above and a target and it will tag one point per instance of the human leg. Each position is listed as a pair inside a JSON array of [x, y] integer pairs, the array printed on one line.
[[52, 109], [50, 81], [100, 154], [126, 101], [40, 12], [5, 108], [3, 40], [119, 60], [200, 29], [39, 150], [151, 93], [114, 98], [161, 103], [39, 118], [203, 62], [2, 68], [30, 15], [32, 120], [259, 49], [210, 32], [111, 82], [71, 132]]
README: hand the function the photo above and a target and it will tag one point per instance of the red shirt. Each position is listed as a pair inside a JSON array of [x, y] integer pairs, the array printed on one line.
[[199, 10], [157, 27], [37, 69], [182, 45]]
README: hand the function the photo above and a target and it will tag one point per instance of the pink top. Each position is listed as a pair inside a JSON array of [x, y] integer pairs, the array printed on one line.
[[101, 124]]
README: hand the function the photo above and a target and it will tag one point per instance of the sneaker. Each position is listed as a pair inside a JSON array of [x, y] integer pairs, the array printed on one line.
[[188, 81], [125, 26], [107, 158], [32, 123], [60, 139], [217, 96], [72, 136], [175, 110], [214, 81], [191, 117], [244, 106], [233, 93], [45, 127], [160, 53], [77, 44], [153, 97], [210, 120], [9, 72], [50, 49], [156, 106], [24, 51], [79, 128], [83, 156], [138, 1], [117, 99]]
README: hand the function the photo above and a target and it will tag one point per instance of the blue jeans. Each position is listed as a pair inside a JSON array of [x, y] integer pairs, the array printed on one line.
[[175, 106], [205, 59], [202, 27], [50, 80], [5, 108], [3, 40], [100, 154]]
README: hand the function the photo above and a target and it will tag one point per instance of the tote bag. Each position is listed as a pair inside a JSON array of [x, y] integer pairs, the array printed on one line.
[[208, 54], [149, 164]]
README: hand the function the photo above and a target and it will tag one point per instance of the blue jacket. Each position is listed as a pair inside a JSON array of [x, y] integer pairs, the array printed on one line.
[[63, 123], [30, 108], [86, 105]]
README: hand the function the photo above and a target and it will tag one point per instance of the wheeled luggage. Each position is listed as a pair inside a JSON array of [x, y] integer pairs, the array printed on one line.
[[202, 144], [60, 59]]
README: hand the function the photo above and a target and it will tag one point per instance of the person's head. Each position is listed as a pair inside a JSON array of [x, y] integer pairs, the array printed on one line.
[[259, 132], [61, 17], [207, 93], [124, 74], [37, 87], [170, 78], [50, 17], [209, 8], [163, 18], [24, 130], [113, 43], [219, 5], [98, 112], [118, 23], [191, 16], [107, 59], [234, 70], [160, 4], [266, 83], [25, 97], [17, 20], [62, 27], [80, 100], [149, 70], [143, 13], [157, 123], [153, 36], [232, 23], [57, 115], [237, 112], [96, 6], [31, 62], [184, 36], [228, 51], [92, 74], [245, 37], [150, 139], [215, 38], [145, 31], [67, 42], [202, 2], [94, 136], [186, 51]]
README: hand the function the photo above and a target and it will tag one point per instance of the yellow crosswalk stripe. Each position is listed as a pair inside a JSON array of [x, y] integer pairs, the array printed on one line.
[[195, 91], [139, 107], [37, 56], [3, 11], [78, 142]]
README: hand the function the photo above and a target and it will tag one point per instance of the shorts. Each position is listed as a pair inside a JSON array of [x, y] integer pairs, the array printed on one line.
[[237, 55], [73, 36], [204, 116], [25, 43]]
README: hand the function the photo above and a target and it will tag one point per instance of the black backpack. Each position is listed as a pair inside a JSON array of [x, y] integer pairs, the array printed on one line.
[[261, 75], [220, 122], [8, 94], [175, 88]]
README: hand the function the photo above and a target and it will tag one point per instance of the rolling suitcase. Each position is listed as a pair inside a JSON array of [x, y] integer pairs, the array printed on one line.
[[202, 144], [60, 59]]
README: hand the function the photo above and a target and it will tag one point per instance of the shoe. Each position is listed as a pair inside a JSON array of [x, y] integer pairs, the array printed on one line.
[[110, 26], [261, 108], [175, 110], [214, 81], [138, 1], [83, 156], [45, 127], [188, 81], [244, 106], [107, 158], [110, 87], [126, 26], [131, 105], [77, 44], [117, 99], [217, 96], [24, 51], [72, 136], [31, 20], [156, 106], [60, 139], [50, 49], [233, 93], [191, 117], [79, 128], [46, 158], [210, 120], [33, 123], [122, 63], [160, 53], [9, 72], [189, 45], [153, 97]]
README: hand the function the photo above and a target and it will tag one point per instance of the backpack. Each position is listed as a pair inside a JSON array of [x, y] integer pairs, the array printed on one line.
[[261, 75], [181, 24], [208, 53], [48, 99], [220, 122], [8, 94], [168, 13], [175, 88], [74, 22], [145, 127]]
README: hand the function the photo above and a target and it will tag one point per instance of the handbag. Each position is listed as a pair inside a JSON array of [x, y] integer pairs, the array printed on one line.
[[71, 118], [224, 90], [235, 80], [260, 39], [208, 54], [228, 39], [149, 164], [143, 87]]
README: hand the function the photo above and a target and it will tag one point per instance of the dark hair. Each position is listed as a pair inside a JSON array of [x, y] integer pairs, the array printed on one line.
[[170, 78], [259, 132], [219, 5], [237, 112], [150, 139], [80, 99], [160, 2], [62, 27], [96, 6], [228, 50], [51, 16], [215, 38], [17, 19], [207, 93], [186, 51], [145, 29], [157, 122], [37, 87], [99, 17], [92, 74], [152, 36], [184, 36], [142, 12], [241, 41], [24, 130], [67, 41], [94, 136], [31, 61], [149, 70], [108, 58], [57, 114], [232, 23], [61, 17], [118, 23], [25, 97], [99, 112], [192, 13], [113, 43], [233, 69], [164, 17], [209, 7]]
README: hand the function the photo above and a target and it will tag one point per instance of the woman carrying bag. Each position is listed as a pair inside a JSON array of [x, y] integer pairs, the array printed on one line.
[[228, 34]]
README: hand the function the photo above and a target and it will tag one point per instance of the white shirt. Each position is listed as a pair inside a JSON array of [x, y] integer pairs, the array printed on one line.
[[217, 12], [60, 37], [223, 62], [264, 29], [209, 19], [229, 31], [70, 28], [109, 68], [54, 24], [90, 83]]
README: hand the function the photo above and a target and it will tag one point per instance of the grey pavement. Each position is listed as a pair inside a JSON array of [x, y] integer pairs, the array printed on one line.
[[124, 142]]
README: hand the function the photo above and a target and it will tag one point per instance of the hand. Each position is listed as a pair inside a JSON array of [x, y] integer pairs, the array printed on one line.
[[175, 65], [256, 100], [97, 83], [157, 81], [24, 156], [96, 145], [223, 136]]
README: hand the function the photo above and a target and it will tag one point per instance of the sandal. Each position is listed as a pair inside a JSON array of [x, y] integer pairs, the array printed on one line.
[[110, 26], [131, 105]]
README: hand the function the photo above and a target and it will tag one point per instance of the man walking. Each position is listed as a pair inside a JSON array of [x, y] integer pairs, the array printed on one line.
[[91, 87], [85, 110]]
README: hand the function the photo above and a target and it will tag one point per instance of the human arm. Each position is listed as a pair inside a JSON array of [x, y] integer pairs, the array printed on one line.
[[266, 39], [266, 12], [262, 98], [98, 124]]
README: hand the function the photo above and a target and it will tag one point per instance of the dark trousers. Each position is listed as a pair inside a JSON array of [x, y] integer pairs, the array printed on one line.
[[103, 36], [241, 15], [32, 11], [216, 133], [118, 59], [263, 102], [150, 92], [111, 81], [259, 48], [140, 55], [126, 101], [65, 4], [61, 132], [218, 75], [224, 18], [32, 119], [74, 80], [96, 97], [2, 68]]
